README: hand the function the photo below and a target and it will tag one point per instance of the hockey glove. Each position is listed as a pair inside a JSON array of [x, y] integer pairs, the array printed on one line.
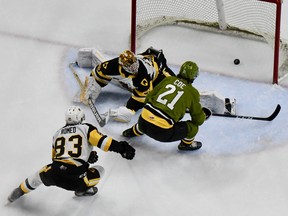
[[93, 157], [121, 114], [128, 151], [207, 112]]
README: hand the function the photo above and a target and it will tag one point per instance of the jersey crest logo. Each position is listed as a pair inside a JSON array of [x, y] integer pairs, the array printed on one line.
[[144, 82], [105, 65]]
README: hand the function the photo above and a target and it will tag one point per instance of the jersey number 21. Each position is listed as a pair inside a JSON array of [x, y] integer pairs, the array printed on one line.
[[171, 90]]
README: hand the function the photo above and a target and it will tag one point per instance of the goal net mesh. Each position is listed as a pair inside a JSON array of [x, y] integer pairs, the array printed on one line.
[[253, 19]]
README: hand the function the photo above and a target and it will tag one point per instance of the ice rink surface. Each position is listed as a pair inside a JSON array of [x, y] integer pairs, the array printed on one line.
[[240, 170]]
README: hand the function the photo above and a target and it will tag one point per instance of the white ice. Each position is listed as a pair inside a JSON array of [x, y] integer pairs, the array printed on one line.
[[242, 168]]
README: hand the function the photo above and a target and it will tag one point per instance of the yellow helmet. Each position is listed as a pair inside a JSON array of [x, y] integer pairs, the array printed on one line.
[[129, 61]]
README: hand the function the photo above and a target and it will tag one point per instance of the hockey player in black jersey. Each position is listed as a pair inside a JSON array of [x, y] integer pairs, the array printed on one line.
[[139, 73], [72, 154]]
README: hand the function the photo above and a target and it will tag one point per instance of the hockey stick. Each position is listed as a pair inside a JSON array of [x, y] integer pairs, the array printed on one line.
[[269, 118], [95, 112]]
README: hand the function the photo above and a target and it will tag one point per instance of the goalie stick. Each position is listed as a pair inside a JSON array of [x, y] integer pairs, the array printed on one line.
[[95, 112], [269, 118]]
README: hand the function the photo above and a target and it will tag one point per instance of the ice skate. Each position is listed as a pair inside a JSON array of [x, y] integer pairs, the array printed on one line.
[[90, 192], [16, 193], [190, 147], [129, 133]]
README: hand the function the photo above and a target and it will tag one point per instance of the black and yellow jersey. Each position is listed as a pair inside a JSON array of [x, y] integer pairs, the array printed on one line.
[[73, 144], [142, 82], [152, 70], [108, 70]]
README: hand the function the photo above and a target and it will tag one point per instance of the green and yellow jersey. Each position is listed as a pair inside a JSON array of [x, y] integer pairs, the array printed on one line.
[[170, 99]]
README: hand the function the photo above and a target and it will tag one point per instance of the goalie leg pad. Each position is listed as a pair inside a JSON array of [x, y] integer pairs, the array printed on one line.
[[230, 106], [121, 114], [91, 90], [213, 101]]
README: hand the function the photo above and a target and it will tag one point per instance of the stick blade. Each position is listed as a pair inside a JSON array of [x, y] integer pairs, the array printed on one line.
[[275, 113], [269, 118], [102, 123]]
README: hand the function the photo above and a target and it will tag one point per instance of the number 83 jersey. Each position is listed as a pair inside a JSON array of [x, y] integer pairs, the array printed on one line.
[[73, 144]]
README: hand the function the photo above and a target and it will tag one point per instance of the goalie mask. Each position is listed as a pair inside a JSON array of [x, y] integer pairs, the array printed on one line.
[[189, 71], [74, 115], [129, 62]]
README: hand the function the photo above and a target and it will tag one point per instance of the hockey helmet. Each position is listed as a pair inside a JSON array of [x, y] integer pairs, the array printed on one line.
[[74, 115], [189, 71], [129, 61]]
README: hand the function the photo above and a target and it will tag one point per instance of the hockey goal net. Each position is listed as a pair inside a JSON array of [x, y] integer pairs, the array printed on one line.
[[252, 19]]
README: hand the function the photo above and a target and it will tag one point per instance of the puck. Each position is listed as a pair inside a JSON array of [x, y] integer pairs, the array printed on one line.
[[236, 61]]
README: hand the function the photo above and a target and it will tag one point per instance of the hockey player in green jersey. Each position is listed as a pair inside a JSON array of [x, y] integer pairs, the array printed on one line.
[[167, 104]]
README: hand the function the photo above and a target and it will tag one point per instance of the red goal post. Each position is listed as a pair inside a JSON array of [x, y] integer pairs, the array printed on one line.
[[253, 19]]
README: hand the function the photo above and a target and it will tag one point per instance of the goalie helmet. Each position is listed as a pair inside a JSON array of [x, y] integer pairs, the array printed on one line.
[[189, 71], [129, 61], [74, 115]]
